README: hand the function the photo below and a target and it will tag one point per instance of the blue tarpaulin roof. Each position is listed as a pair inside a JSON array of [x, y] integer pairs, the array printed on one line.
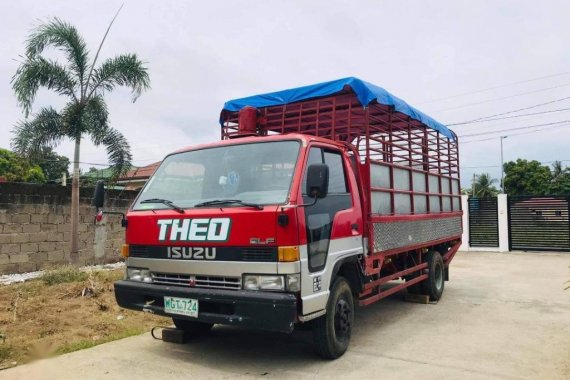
[[365, 92]]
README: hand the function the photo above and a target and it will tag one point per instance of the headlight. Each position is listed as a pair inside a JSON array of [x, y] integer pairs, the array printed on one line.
[[263, 282], [291, 282], [139, 274]]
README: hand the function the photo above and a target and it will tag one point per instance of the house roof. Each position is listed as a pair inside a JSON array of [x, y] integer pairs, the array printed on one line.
[[142, 173]]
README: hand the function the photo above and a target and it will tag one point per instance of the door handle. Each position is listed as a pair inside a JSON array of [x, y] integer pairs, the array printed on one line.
[[355, 229]]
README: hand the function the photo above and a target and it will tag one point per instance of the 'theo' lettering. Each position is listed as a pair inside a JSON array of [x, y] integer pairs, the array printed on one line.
[[199, 229]]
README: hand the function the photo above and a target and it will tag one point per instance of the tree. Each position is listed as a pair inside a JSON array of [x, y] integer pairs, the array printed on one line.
[[483, 186], [53, 165], [560, 183], [527, 178], [85, 114], [14, 169]]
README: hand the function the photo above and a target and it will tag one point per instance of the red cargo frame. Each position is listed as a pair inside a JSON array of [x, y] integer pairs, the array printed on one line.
[[378, 135]]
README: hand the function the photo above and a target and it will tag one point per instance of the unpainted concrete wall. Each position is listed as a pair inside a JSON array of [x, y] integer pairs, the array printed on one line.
[[35, 226]]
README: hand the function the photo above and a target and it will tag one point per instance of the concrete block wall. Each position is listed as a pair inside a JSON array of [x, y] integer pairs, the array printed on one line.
[[35, 226]]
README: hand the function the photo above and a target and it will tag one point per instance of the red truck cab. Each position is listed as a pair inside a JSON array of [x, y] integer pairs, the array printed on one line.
[[313, 201]]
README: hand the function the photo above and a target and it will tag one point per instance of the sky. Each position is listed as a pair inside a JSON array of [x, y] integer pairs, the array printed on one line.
[[454, 60]]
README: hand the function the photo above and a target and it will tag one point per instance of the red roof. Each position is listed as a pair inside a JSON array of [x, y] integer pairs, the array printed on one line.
[[141, 173]]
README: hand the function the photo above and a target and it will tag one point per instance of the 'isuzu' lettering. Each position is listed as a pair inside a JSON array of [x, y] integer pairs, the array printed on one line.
[[199, 229], [192, 253]]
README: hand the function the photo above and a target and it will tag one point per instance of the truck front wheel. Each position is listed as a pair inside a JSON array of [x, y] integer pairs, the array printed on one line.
[[331, 332], [192, 327]]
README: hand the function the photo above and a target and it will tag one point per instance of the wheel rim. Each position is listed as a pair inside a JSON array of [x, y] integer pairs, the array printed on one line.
[[342, 319], [438, 277]]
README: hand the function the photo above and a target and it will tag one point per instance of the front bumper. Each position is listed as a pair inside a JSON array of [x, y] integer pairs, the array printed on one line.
[[263, 310]]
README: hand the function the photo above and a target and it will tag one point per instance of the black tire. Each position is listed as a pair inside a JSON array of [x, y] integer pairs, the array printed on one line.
[[435, 283], [331, 332], [192, 327]]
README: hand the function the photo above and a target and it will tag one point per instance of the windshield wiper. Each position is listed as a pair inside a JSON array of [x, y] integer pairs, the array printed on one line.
[[165, 202], [217, 202]]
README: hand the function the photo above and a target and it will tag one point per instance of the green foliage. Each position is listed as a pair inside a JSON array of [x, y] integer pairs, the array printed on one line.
[[53, 165], [83, 83], [532, 178], [525, 177], [484, 186], [66, 273], [560, 183], [16, 169], [5, 351]]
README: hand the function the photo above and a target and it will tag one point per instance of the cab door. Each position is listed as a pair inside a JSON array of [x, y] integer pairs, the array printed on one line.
[[333, 226]]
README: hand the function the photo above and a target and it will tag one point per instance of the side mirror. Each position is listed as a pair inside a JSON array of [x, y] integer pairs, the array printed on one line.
[[99, 195], [317, 180]]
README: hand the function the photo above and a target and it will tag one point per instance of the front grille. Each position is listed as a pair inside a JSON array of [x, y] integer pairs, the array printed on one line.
[[138, 251], [266, 254], [223, 253], [186, 280]]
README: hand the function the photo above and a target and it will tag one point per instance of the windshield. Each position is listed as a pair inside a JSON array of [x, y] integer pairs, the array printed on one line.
[[259, 173]]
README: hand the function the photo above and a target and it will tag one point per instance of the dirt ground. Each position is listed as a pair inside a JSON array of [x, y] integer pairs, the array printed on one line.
[[38, 321], [502, 316]]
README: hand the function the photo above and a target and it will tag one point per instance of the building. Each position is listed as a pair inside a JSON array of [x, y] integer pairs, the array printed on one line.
[[137, 177]]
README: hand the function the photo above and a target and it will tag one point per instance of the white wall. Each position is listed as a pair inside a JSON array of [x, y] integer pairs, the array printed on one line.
[[502, 208], [465, 236]]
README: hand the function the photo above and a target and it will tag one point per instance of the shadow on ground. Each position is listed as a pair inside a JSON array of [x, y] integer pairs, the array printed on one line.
[[221, 347]]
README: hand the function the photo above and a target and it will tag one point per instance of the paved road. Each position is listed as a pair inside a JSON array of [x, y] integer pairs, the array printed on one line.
[[503, 316]]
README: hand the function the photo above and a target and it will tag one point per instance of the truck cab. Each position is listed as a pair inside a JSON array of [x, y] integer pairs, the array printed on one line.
[[242, 235]]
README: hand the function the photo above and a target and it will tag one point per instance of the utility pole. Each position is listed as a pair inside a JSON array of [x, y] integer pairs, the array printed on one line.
[[502, 166]]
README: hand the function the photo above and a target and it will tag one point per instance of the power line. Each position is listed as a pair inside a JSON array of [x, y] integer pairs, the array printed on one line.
[[82, 162], [498, 166], [515, 128], [495, 87], [514, 116], [479, 167], [510, 112], [513, 134], [502, 98]]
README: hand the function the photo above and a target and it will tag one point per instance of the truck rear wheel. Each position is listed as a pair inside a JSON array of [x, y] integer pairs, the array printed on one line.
[[331, 332], [192, 327], [435, 282]]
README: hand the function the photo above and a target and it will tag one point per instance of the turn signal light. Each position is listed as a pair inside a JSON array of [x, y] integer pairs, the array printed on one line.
[[125, 250], [288, 254]]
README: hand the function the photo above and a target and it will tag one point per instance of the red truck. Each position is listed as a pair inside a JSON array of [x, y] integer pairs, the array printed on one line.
[[316, 199]]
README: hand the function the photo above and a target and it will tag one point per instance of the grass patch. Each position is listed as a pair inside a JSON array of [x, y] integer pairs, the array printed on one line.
[[5, 352], [64, 274], [83, 344]]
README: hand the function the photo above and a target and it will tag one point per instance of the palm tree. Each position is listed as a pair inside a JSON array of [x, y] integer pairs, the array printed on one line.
[[483, 186], [85, 114], [560, 181], [557, 169]]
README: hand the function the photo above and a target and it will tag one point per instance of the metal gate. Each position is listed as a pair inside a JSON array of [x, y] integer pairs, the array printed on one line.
[[539, 223], [483, 222]]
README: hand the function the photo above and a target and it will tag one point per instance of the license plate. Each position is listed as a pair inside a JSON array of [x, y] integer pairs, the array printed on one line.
[[181, 306]]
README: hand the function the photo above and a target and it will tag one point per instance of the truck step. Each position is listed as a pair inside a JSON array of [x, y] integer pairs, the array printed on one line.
[[174, 335]]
